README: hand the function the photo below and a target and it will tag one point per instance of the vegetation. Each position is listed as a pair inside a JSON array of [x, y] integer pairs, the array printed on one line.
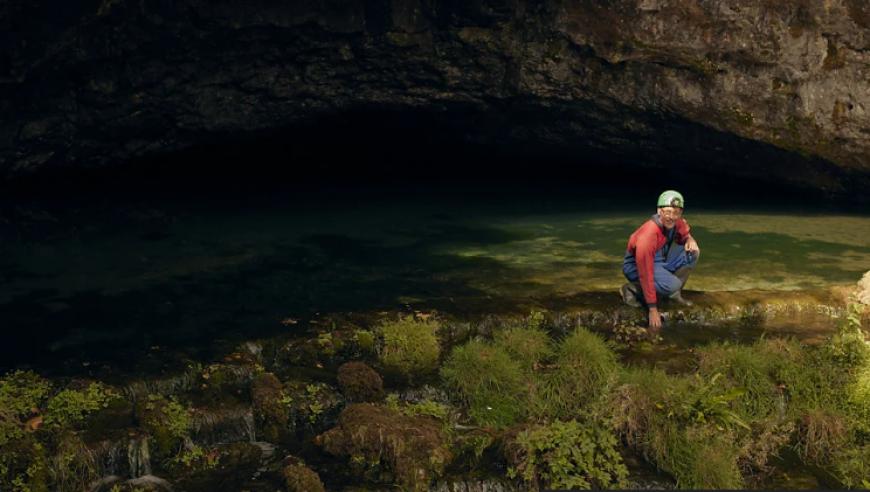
[[410, 347], [167, 421], [491, 383], [568, 455], [71, 406]]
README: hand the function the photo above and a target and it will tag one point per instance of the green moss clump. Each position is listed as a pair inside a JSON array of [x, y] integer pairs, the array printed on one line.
[[585, 369], [491, 382], [411, 347], [529, 345], [365, 341], [71, 406], [167, 421], [568, 455]]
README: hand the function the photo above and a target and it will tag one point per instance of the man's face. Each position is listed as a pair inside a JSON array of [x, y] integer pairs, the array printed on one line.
[[669, 216]]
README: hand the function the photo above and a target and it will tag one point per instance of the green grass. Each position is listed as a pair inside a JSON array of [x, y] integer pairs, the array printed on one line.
[[489, 381]]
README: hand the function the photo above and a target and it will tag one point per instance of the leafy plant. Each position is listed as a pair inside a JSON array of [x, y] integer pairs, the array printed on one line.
[[72, 406], [569, 455]]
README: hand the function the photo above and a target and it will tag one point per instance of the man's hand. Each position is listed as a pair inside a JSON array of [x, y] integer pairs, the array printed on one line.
[[692, 247], [655, 321]]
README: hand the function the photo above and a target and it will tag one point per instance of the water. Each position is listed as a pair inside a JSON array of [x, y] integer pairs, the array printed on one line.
[[116, 282]]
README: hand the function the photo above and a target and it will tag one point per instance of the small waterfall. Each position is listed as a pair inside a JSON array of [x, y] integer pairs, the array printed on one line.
[[224, 425], [173, 385], [250, 427], [138, 457], [111, 457]]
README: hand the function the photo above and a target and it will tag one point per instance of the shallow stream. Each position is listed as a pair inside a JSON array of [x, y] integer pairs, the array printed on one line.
[[109, 281]]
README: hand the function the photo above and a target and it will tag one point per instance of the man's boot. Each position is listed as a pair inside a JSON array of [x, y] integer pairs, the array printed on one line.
[[683, 275], [630, 294]]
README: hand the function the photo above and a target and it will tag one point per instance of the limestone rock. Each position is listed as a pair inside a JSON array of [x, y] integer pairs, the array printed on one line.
[[771, 90]]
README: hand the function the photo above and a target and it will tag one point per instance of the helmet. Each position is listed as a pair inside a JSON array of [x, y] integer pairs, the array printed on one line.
[[671, 198]]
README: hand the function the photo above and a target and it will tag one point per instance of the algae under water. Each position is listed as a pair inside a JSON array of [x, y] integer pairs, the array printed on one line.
[[110, 283]]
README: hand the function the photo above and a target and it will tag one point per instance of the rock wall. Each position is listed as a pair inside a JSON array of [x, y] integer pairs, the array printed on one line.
[[759, 88]]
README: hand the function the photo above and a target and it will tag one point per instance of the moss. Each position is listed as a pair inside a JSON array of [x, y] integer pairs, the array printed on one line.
[[300, 478], [365, 341], [411, 347], [413, 448], [166, 421], [488, 380], [585, 369], [568, 455], [529, 345], [359, 382], [429, 408], [270, 408]]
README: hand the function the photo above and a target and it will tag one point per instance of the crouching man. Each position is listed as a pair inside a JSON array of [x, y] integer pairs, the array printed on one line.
[[653, 265]]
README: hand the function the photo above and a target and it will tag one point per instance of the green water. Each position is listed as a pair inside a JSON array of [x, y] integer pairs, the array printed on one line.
[[195, 274]]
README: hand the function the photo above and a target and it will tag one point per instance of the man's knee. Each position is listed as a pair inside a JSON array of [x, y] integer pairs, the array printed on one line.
[[667, 283]]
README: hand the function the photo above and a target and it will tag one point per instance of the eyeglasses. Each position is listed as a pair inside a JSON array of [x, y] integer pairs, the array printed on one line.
[[671, 212]]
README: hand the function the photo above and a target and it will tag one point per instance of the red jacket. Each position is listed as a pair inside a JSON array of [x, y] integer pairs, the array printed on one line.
[[643, 244]]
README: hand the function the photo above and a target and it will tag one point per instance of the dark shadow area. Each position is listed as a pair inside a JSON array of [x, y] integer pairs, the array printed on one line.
[[455, 152]]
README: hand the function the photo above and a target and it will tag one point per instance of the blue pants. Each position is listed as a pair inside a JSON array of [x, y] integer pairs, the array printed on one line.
[[663, 277]]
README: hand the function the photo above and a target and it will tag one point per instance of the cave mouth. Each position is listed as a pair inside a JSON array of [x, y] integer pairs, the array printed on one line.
[[374, 153]]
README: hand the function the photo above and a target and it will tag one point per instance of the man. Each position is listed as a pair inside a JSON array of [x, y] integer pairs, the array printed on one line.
[[652, 265]]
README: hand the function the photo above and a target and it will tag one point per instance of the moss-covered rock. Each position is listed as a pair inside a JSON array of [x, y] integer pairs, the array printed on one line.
[[300, 478], [270, 404], [413, 448], [410, 347], [360, 383]]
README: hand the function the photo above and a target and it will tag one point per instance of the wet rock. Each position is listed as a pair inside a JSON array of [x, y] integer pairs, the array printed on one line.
[[146, 483], [411, 450], [476, 485], [166, 421], [360, 383], [222, 424], [219, 467]]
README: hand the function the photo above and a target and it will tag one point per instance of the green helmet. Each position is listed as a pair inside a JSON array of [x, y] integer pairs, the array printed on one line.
[[671, 198]]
